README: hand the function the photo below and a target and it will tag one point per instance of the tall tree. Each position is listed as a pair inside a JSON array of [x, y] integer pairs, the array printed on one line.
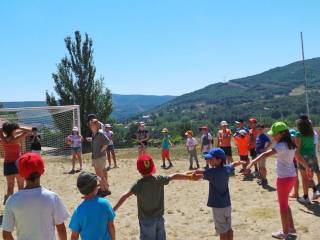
[[75, 81]]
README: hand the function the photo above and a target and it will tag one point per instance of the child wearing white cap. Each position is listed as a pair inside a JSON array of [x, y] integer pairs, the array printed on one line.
[[74, 140]]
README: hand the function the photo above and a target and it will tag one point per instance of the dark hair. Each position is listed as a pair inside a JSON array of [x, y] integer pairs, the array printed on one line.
[[286, 138], [33, 176], [89, 188], [260, 125], [8, 128], [304, 126], [34, 129]]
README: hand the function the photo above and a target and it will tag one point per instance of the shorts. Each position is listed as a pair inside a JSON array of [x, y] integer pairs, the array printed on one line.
[[262, 163], [312, 162], [10, 168], [152, 228], [227, 151], [253, 153], [99, 163], [244, 158], [165, 153], [222, 219], [36, 151], [75, 150], [206, 148], [110, 148]]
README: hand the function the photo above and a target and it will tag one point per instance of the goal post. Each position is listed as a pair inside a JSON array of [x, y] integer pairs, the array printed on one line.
[[54, 124]]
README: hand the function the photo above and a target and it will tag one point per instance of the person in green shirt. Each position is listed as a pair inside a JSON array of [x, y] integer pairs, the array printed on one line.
[[166, 144], [305, 144], [150, 197]]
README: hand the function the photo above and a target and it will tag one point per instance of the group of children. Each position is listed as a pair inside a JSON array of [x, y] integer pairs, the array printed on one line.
[[94, 217]]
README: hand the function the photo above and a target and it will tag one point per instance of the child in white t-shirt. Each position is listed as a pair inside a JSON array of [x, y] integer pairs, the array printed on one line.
[[192, 149], [34, 211]]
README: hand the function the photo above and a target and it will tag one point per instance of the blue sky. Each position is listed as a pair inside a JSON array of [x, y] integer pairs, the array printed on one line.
[[153, 46]]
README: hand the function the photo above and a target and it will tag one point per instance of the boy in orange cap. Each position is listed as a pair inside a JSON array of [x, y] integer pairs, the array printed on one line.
[[34, 210], [150, 195]]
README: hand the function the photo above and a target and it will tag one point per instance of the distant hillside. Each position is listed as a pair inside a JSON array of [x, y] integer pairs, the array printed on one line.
[[274, 94], [125, 106]]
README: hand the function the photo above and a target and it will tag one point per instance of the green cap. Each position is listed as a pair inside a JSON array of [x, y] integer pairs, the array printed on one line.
[[277, 127]]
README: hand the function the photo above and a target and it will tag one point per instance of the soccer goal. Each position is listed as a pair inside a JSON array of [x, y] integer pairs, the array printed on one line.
[[54, 124]]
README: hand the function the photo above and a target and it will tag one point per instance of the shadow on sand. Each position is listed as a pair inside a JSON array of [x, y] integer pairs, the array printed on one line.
[[313, 208]]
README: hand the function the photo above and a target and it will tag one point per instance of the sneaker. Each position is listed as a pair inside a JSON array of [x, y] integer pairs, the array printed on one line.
[[72, 171], [280, 235], [171, 165], [304, 200], [264, 182], [316, 195], [163, 166], [256, 174], [190, 168]]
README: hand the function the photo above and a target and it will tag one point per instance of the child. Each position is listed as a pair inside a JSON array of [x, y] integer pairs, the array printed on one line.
[[305, 144], [295, 192], [99, 144], [35, 140], [219, 196], [150, 198], [35, 212], [206, 139], [263, 142], [252, 143], [142, 137], [242, 142], [166, 144], [10, 140], [94, 217], [110, 148], [192, 149], [224, 140], [285, 150], [75, 140]]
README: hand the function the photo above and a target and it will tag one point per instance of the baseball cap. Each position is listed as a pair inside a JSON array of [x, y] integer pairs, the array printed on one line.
[[277, 127], [205, 127], [87, 182], [239, 121], [243, 132], [189, 132], [215, 153], [142, 124], [293, 132], [224, 123], [30, 163], [145, 165], [165, 130], [107, 125], [91, 116], [75, 129], [253, 120]]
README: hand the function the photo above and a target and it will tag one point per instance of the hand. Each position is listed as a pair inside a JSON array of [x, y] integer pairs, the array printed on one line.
[[89, 139]]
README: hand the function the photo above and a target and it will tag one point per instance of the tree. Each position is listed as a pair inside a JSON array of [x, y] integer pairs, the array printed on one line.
[[75, 82]]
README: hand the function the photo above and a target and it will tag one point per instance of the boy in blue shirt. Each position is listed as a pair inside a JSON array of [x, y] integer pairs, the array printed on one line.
[[94, 217], [219, 196], [263, 142]]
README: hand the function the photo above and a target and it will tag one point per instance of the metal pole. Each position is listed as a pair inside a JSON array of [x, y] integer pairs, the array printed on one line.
[[305, 76], [78, 118]]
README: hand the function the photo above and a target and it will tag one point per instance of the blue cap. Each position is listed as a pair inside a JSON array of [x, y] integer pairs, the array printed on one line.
[[293, 132], [215, 153]]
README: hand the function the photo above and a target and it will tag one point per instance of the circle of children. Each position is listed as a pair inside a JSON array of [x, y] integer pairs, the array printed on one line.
[[36, 212]]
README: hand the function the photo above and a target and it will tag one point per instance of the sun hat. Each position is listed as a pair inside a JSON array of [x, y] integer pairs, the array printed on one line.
[[145, 165], [29, 164], [277, 127], [189, 132], [107, 125], [239, 121], [75, 129], [224, 123], [243, 132], [87, 182], [215, 153], [165, 130], [253, 120]]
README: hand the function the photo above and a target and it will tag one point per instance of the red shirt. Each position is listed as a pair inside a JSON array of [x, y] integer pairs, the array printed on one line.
[[11, 151]]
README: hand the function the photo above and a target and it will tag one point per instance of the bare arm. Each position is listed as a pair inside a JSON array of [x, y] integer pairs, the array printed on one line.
[[122, 200], [112, 230], [7, 235], [1, 135], [25, 132], [62, 232], [75, 236], [193, 176], [104, 148], [298, 156], [238, 163], [263, 156]]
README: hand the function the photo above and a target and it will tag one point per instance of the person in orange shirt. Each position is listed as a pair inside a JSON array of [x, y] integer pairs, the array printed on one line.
[[253, 133], [242, 142], [224, 140]]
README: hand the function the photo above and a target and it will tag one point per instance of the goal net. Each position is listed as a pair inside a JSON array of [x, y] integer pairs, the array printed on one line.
[[54, 124]]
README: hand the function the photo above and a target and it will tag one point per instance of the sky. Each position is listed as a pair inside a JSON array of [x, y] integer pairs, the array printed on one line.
[[160, 47]]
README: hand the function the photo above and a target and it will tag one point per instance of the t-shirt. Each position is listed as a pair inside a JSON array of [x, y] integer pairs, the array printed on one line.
[[218, 177], [252, 138], [109, 135], [98, 141], [316, 137], [307, 145], [12, 151], [91, 218], [224, 138], [206, 139], [261, 141], [142, 135], [35, 143], [284, 164], [75, 140], [166, 142], [237, 130], [150, 196], [35, 213], [242, 144], [191, 143]]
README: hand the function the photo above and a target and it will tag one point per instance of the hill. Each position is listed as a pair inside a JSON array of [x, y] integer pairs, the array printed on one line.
[[125, 106], [274, 94]]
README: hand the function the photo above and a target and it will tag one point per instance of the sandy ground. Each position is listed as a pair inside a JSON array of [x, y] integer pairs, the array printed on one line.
[[255, 210]]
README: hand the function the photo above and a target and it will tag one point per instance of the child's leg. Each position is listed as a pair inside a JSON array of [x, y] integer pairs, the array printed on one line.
[[161, 232], [163, 158], [108, 157], [10, 184], [20, 181], [291, 223], [190, 158], [148, 229], [305, 186], [73, 161], [80, 159], [114, 159], [196, 158]]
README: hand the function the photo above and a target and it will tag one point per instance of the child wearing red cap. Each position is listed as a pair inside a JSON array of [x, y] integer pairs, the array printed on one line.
[[150, 195], [34, 210]]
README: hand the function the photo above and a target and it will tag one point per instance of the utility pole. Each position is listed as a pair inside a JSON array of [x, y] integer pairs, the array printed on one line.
[[305, 76]]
